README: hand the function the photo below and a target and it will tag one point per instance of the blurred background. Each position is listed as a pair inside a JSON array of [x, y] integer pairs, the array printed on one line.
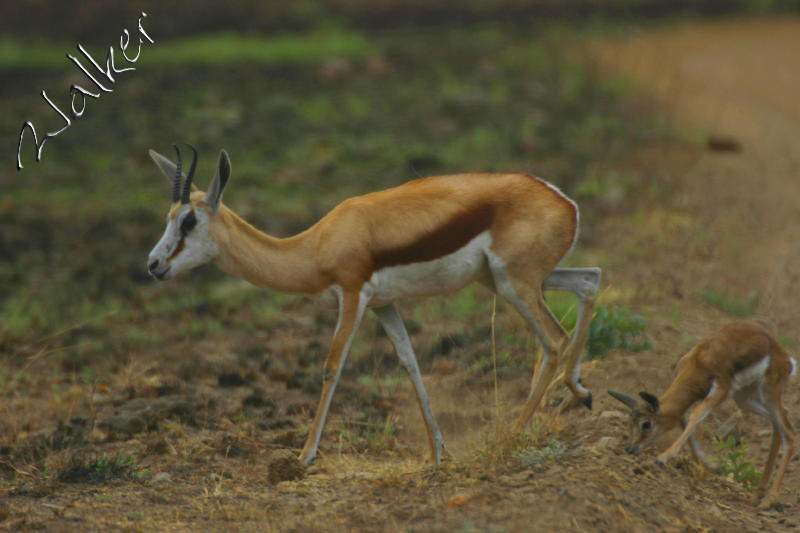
[[316, 101]]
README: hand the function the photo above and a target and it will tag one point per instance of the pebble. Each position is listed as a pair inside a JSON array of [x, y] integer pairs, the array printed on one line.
[[161, 477], [605, 443], [619, 415]]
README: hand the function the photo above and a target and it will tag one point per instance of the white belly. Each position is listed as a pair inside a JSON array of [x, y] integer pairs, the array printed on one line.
[[430, 277]]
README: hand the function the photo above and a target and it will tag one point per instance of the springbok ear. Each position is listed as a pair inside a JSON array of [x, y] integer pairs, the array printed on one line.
[[652, 401], [630, 401], [217, 186], [167, 167]]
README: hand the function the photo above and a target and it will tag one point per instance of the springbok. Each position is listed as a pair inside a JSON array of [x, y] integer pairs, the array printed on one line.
[[428, 236], [741, 360]]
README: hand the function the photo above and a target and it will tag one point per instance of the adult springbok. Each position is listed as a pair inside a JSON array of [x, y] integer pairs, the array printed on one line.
[[429, 236], [741, 360]]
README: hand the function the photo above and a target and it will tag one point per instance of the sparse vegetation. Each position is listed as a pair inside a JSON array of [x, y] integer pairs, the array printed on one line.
[[616, 328], [733, 460], [733, 305], [536, 456], [102, 468]]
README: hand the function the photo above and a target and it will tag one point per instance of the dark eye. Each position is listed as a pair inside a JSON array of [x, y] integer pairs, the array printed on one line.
[[188, 223], [646, 424]]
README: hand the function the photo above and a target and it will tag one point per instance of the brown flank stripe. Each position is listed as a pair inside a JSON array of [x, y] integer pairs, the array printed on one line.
[[444, 240]]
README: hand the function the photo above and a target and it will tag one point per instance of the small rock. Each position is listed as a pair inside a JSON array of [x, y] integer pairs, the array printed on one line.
[[618, 415], [605, 443], [161, 477], [284, 466]]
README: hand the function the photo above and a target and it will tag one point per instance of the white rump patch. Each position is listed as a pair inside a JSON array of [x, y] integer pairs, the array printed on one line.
[[748, 376], [571, 201]]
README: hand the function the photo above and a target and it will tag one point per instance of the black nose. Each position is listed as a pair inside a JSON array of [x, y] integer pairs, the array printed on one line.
[[152, 266]]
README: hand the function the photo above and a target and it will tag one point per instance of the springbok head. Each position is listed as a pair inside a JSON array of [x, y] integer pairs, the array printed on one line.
[[646, 422], [186, 242]]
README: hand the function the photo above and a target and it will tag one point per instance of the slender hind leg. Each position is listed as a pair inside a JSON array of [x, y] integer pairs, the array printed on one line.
[[527, 299], [584, 282], [393, 324], [783, 436]]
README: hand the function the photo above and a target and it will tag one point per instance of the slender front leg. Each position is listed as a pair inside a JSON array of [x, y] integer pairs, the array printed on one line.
[[351, 310], [393, 324], [585, 283], [698, 413], [698, 452]]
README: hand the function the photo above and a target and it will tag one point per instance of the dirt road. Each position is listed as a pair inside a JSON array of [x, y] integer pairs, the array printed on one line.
[[737, 80]]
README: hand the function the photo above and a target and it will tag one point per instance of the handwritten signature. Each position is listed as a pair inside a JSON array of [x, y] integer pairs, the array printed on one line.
[[76, 90]]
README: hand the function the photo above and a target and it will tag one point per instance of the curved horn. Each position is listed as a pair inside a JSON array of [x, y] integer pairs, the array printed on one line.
[[187, 186], [630, 401], [176, 181]]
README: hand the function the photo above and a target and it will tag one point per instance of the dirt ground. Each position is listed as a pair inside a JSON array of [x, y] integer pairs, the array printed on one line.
[[720, 221]]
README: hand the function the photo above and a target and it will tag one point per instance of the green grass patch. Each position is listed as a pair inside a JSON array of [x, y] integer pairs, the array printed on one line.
[[733, 305], [28, 54], [102, 468], [222, 49], [278, 50]]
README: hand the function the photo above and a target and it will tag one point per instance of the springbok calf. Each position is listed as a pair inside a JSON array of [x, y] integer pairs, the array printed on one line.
[[741, 360], [429, 236]]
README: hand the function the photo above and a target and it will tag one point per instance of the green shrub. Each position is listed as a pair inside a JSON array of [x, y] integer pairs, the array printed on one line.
[[616, 328], [733, 460], [612, 328]]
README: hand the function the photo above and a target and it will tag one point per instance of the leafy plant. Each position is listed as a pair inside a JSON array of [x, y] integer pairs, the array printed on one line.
[[616, 328], [102, 468], [733, 460], [612, 327]]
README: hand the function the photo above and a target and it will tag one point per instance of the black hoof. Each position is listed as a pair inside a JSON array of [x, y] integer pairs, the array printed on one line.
[[588, 401], [659, 462]]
